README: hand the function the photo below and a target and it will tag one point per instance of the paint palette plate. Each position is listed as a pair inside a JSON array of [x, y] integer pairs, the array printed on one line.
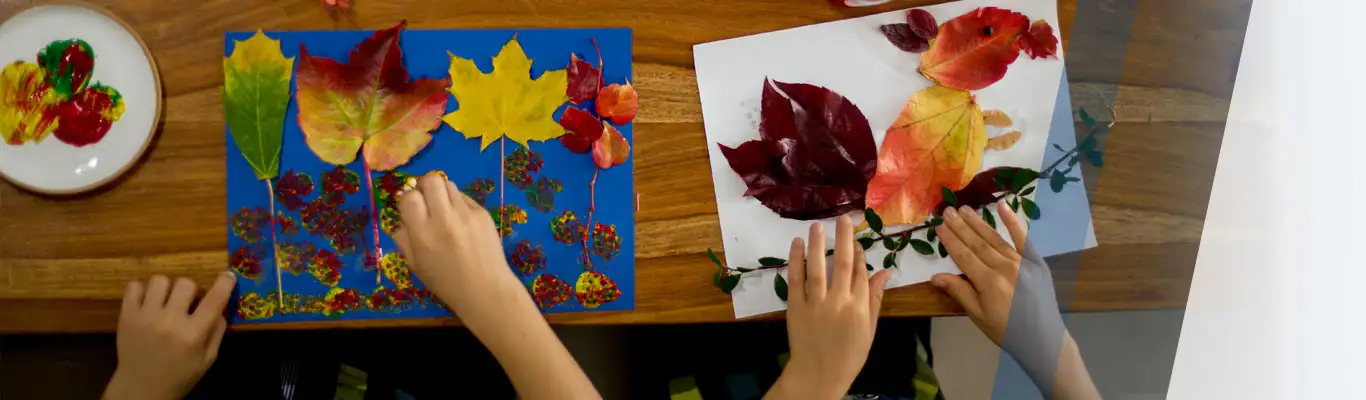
[[79, 98]]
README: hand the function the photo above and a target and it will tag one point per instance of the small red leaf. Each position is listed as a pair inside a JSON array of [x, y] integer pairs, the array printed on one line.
[[1039, 41], [581, 128], [922, 23], [611, 148], [584, 80], [814, 157], [618, 103], [903, 38]]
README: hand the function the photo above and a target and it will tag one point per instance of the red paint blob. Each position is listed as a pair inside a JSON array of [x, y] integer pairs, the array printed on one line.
[[80, 121]]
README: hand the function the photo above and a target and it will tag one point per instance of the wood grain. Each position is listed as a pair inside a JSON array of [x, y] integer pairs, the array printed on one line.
[[64, 261]]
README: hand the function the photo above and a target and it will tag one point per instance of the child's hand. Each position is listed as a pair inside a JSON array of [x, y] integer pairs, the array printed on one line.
[[1012, 283], [163, 347], [999, 274], [453, 247], [829, 325]]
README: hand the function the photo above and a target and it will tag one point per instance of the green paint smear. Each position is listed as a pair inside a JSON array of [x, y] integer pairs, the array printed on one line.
[[114, 96], [67, 75]]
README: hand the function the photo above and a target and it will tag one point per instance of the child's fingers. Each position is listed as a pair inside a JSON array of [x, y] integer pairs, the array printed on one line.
[[1017, 228], [796, 273], [841, 282], [815, 263]]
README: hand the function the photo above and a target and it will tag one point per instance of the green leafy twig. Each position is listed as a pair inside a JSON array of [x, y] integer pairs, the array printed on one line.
[[1012, 188]]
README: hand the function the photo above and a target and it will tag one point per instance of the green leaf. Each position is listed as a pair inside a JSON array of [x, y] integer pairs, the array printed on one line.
[[1057, 181], [936, 221], [874, 221], [991, 219], [1031, 210], [1027, 191], [1015, 204], [1004, 176], [870, 266], [744, 270], [943, 252], [1095, 157], [714, 259], [729, 283], [829, 252], [922, 247], [1022, 179], [1091, 122], [1087, 144], [780, 286], [716, 278], [771, 261], [930, 234], [948, 196], [889, 261], [889, 243], [867, 242], [901, 245], [255, 99]]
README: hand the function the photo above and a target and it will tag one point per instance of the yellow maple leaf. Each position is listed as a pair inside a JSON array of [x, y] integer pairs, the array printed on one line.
[[506, 101]]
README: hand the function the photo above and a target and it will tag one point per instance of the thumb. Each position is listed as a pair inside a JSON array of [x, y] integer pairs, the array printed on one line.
[[960, 290]]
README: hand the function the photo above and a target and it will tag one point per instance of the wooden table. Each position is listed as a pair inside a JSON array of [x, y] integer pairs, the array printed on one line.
[[64, 261]]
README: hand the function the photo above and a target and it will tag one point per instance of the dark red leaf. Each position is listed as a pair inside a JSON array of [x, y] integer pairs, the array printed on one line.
[[903, 38], [814, 157], [984, 186], [1038, 41], [584, 80], [581, 130], [922, 23]]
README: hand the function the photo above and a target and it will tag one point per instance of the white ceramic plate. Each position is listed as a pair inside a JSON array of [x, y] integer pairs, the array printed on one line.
[[121, 62]]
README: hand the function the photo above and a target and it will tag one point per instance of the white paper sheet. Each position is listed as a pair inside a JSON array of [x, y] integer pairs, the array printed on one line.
[[852, 58]]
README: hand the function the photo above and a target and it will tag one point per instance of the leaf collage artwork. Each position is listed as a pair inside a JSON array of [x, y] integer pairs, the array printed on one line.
[[366, 113], [938, 118]]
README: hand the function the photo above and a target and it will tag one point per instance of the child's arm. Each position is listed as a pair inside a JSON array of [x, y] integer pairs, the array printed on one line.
[[453, 247], [830, 323], [1012, 284]]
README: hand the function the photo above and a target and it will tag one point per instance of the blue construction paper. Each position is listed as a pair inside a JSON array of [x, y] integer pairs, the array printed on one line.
[[425, 56]]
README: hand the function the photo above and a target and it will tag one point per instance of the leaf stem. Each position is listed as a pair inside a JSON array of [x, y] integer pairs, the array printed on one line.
[[1046, 171], [592, 206], [599, 51], [274, 246], [374, 220]]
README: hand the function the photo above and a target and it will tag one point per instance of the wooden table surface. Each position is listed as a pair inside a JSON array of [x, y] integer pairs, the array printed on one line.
[[1167, 66]]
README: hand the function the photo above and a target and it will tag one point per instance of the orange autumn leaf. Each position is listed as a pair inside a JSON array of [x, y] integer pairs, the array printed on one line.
[[996, 118], [367, 104], [975, 49], [617, 103], [611, 148], [1003, 142], [937, 141]]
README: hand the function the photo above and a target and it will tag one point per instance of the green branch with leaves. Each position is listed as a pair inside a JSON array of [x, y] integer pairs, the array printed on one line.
[[1009, 184]]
